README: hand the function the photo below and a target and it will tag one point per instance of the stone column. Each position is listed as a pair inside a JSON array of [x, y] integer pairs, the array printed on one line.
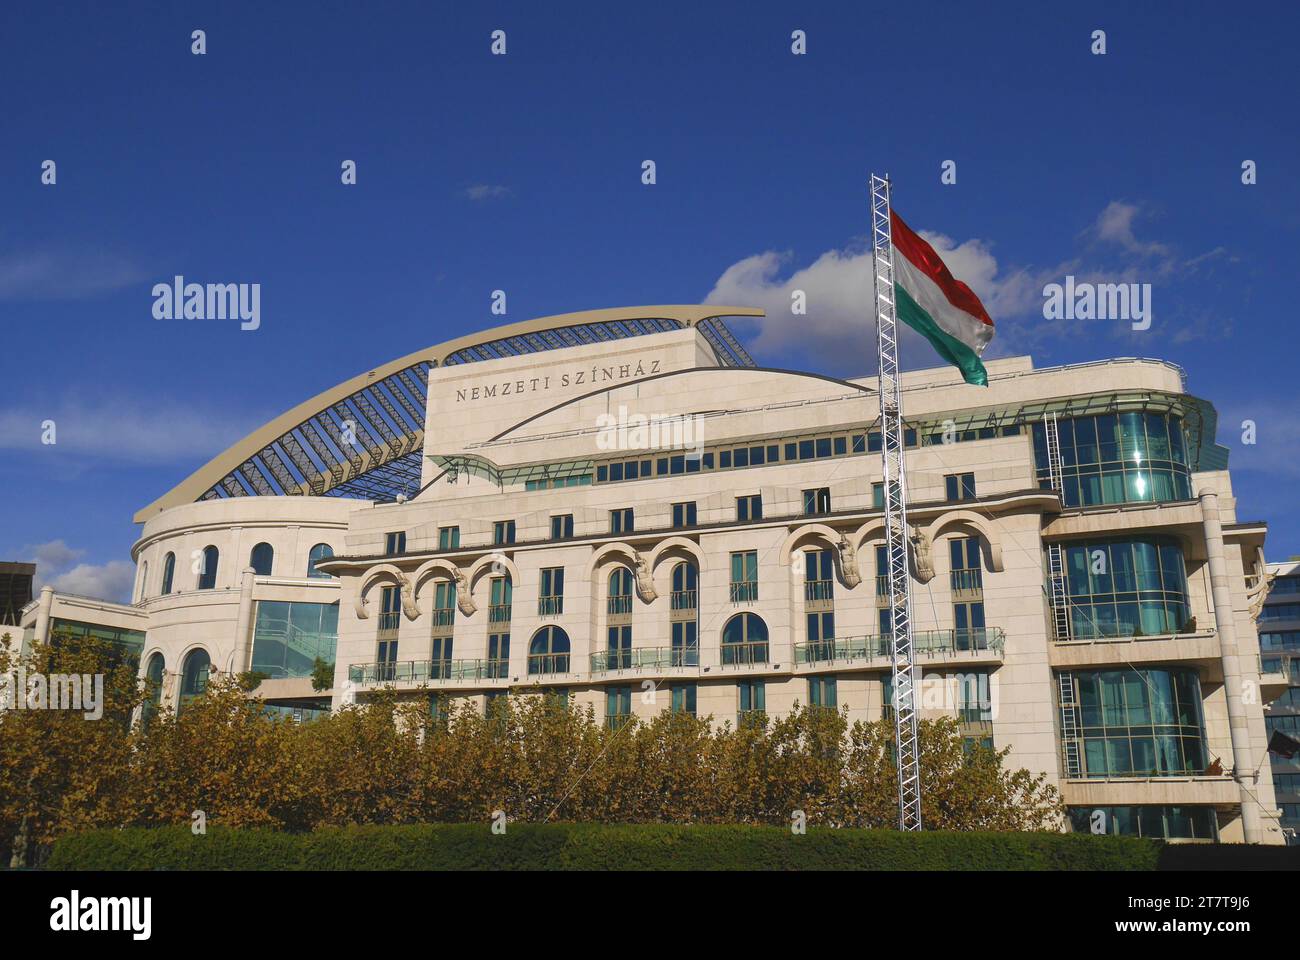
[[243, 625], [1243, 764], [42, 634]]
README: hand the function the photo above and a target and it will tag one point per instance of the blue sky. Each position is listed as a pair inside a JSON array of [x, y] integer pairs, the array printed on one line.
[[522, 173]]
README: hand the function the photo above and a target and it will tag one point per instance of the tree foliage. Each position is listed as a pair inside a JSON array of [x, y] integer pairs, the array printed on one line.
[[536, 759]]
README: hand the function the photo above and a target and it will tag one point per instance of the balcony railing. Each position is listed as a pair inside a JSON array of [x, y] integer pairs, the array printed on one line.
[[814, 590], [967, 581], [550, 606], [644, 658], [744, 591], [444, 616], [541, 664], [683, 600], [881, 645], [388, 624], [737, 654], [499, 613], [619, 605], [427, 671], [617, 721], [882, 586]]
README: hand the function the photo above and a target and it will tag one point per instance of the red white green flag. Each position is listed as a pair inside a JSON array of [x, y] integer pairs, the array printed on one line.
[[938, 306]]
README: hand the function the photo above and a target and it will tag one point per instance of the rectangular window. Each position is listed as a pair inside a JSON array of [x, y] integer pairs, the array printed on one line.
[[621, 521], [964, 557], [685, 644], [550, 601], [562, 526], [499, 601], [683, 515], [749, 508], [744, 576], [816, 501], [821, 627], [390, 608], [620, 647], [503, 533], [618, 706], [878, 496], [752, 698], [498, 664], [449, 538], [684, 698], [959, 486], [395, 543], [822, 692]]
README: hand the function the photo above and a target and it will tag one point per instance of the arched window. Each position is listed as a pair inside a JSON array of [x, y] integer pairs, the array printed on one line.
[[549, 651], [260, 559], [322, 551], [686, 578], [154, 674], [194, 676], [744, 639], [169, 573], [208, 568], [620, 591]]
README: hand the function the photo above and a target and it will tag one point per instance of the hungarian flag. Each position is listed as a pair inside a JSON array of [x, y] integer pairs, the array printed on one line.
[[938, 306]]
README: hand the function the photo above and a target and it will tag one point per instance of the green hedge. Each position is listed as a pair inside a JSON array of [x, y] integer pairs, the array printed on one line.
[[564, 846]]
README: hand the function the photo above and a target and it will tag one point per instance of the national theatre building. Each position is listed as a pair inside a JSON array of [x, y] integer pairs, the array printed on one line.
[[620, 502]]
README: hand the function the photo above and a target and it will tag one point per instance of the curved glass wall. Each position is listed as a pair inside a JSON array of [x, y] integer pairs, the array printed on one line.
[[1140, 722], [1127, 588], [1129, 457], [1163, 823], [288, 637]]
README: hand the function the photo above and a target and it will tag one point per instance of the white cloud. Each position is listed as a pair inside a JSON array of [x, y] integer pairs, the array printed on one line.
[[57, 565], [1115, 225], [487, 191], [838, 285], [65, 275], [120, 430], [110, 581]]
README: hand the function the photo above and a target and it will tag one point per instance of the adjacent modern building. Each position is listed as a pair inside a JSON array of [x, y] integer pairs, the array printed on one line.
[[620, 507], [1278, 609]]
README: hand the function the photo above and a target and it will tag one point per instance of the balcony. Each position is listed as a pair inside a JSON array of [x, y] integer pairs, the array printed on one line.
[[427, 671], [744, 591], [388, 625], [550, 606], [444, 616], [882, 586], [939, 644], [644, 659], [967, 584], [744, 654], [821, 592], [619, 605], [683, 601], [545, 664], [499, 613]]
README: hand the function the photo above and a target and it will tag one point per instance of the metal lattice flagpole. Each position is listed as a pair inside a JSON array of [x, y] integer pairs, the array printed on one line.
[[907, 747]]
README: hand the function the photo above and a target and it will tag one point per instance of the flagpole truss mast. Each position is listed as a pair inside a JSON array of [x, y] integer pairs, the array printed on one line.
[[907, 750]]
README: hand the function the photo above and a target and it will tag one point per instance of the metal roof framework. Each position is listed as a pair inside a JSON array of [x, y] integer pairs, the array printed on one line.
[[364, 439]]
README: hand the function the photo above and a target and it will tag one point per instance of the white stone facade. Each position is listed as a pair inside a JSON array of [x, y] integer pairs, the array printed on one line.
[[500, 433]]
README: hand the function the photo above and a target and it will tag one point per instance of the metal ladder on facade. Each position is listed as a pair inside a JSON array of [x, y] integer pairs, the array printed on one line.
[[1058, 592], [1053, 436], [1070, 757]]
